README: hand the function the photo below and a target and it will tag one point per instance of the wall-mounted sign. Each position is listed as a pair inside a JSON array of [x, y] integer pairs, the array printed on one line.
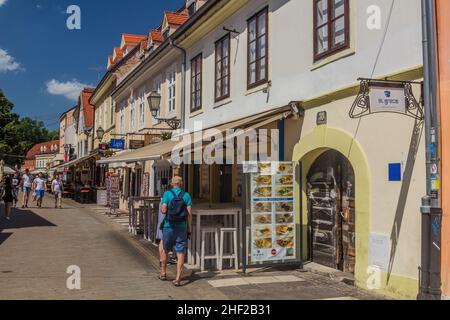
[[387, 99], [273, 218], [376, 96], [136, 144], [118, 144], [322, 118]]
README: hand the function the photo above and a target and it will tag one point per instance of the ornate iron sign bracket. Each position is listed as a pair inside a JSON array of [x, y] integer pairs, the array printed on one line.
[[361, 107]]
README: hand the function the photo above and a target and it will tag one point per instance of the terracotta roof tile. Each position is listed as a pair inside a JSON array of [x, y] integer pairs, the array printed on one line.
[[144, 44], [132, 39], [156, 36], [36, 149], [176, 19], [88, 109]]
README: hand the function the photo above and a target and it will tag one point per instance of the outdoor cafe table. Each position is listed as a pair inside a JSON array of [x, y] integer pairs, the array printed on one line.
[[214, 210]]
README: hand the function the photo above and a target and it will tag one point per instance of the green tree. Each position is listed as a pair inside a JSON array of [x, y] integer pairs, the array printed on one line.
[[17, 135]]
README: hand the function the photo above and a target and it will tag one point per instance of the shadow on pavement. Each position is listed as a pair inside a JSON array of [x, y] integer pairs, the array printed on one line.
[[23, 219], [4, 237]]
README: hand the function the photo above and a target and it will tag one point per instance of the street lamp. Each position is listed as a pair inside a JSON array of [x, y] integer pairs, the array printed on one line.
[[154, 102], [100, 133]]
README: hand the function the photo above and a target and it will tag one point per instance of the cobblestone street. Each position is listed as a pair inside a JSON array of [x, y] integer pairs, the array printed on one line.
[[38, 246]]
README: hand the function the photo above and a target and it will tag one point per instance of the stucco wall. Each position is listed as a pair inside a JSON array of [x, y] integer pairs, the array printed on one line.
[[292, 71]]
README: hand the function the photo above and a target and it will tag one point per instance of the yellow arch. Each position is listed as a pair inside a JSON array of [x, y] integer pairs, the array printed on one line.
[[324, 138]]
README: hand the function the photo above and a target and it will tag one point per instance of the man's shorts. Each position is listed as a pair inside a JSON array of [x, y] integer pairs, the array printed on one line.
[[58, 195], [175, 237], [26, 189], [40, 193]]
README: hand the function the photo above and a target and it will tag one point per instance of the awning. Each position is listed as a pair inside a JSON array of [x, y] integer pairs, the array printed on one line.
[[8, 170], [159, 150], [150, 152], [73, 162]]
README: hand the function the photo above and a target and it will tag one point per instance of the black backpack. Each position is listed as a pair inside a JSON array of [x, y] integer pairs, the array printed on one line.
[[176, 212]]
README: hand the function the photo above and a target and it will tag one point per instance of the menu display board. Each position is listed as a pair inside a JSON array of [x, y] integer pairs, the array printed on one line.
[[273, 218], [115, 191]]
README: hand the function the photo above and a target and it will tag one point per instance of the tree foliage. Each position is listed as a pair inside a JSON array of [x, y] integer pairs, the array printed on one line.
[[18, 135]]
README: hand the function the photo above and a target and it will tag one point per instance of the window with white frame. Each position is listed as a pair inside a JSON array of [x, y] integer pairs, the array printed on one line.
[[171, 90], [132, 114], [105, 118], [157, 88], [111, 107], [141, 108], [100, 116], [122, 118]]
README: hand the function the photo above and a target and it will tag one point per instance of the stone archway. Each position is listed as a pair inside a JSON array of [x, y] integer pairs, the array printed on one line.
[[308, 149]]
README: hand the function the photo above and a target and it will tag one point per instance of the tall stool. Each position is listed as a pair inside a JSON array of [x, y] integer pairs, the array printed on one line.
[[233, 255], [203, 256]]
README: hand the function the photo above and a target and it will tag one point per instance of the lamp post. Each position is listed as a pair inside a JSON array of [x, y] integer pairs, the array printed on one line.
[[154, 102]]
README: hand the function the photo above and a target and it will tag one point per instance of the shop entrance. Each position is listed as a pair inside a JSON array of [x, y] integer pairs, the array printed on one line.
[[331, 212]]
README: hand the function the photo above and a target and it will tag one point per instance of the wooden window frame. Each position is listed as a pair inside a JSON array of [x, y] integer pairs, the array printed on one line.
[[221, 78], [257, 58], [194, 61], [329, 23]]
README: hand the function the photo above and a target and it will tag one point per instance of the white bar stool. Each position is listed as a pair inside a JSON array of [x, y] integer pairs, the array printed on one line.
[[203, 256], [233, 255]]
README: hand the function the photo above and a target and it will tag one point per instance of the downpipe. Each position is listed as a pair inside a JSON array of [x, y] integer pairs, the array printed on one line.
[[431, 210]]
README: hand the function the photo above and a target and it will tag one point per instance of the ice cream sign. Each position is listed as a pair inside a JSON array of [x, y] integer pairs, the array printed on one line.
[[387, 99]]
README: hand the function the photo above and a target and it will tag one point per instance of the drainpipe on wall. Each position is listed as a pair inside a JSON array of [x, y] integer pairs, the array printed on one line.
[[430, 271], [183, 83], [183, 99]]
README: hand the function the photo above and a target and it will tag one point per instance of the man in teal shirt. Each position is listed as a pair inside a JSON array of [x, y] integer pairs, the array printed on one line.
[[176, 233]]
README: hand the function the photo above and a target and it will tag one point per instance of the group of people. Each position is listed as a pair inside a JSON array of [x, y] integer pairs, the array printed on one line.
[[27, 184]]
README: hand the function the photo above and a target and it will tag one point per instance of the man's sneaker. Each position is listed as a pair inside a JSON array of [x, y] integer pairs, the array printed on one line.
[[8, 218], [23, 207], [173, 260]]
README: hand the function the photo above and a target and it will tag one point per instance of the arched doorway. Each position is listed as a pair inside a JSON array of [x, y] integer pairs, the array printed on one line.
[[331, 211]]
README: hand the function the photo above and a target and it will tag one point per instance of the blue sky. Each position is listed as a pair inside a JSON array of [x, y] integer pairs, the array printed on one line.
[[43, 63]]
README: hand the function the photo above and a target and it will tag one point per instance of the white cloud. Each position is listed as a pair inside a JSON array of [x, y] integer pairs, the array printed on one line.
[[7, 63], [2, 2], [70, 89]]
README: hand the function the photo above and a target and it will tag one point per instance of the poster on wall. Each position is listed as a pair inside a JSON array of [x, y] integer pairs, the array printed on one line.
[[273, 218]]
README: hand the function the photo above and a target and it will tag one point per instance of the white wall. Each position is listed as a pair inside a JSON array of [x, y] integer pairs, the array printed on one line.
[[291, 56]]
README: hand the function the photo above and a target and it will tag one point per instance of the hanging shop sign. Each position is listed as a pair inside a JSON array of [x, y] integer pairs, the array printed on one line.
[[383, 96], [387, 99], [136, 144], [273, 218]]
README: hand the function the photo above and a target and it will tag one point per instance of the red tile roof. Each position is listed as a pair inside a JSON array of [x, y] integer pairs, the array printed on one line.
[[176, 19], [144, 44], [88, 108], [36, 149], [156, 36], [131, 39]]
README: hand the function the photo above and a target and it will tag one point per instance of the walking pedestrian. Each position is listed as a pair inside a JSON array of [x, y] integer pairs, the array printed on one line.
[[26, 184], [16, 187], [177, 227], [57, 190], [8, 197], [39, 188]]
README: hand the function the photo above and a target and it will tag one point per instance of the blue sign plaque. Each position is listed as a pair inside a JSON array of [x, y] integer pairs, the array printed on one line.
[[118, 144]]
